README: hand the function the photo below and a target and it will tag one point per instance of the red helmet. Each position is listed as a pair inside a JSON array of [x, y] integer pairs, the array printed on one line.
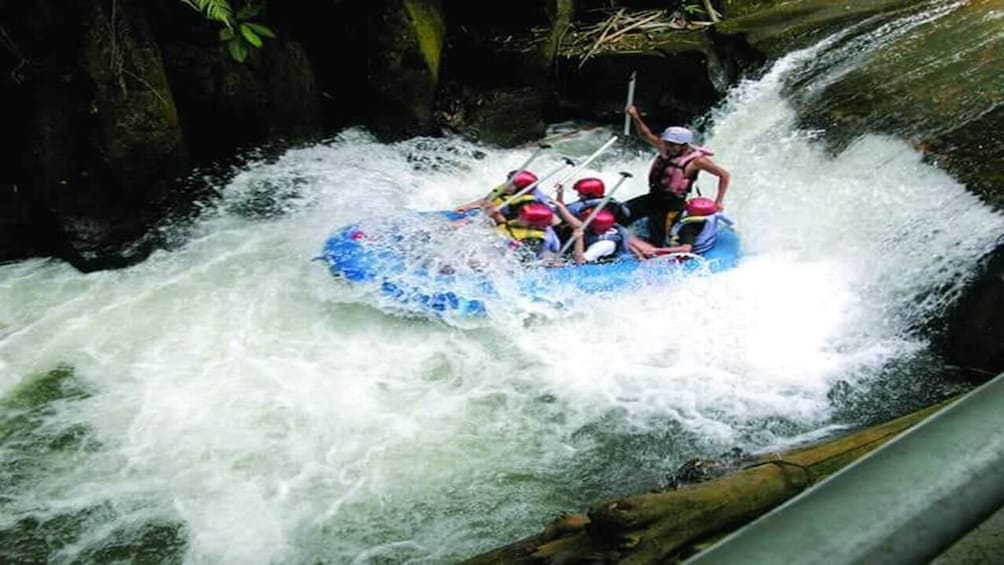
[[603, 221], [701, 207], [522, 179], [536, 214], [591, 187]]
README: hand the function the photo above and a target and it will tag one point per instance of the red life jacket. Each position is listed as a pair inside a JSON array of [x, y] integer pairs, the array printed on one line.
[[669, 174]]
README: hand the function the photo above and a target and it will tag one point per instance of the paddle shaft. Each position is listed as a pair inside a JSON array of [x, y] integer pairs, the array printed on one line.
[[541, 147], [535, 184], [588, 160], [564, 179], [592, 215], [630, 101]]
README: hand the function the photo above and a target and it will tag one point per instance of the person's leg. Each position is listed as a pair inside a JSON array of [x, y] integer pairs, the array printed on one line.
[[664, 213], [657, 221], [635, 209], [599, 250]]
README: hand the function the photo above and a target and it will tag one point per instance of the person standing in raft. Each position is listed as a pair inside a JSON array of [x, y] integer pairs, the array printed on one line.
[[671, 178]]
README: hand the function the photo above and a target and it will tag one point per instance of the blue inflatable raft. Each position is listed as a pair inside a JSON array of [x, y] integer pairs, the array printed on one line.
[[385, 261]]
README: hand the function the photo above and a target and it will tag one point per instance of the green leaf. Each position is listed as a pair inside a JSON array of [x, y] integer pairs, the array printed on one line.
[[261, 30], [250, 35], [217, 10], [238, 52], [226, 34], [248, 11]]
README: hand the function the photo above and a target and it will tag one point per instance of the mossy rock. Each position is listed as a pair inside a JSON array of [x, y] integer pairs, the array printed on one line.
[[405, 55], [737, 8], [777, 27], [950, 108], [500, 117]]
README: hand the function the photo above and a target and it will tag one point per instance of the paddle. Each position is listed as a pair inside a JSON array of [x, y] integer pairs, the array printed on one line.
[[564, 179], [627, 117], [592, 215], [567, 163], [541, 147]]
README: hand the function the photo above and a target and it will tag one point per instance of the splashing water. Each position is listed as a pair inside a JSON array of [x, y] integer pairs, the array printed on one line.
[[228, 402]]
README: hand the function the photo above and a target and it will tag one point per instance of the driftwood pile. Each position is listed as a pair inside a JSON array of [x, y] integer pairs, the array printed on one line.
[[618, 31]]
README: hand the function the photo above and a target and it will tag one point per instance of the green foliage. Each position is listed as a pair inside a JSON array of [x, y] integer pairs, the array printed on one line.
[[239, 33], [693, 8], [216, 10]]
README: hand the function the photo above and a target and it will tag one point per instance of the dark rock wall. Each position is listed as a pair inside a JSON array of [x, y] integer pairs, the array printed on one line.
[[974, 335], [108, 102], [404, 51], [97, 131]]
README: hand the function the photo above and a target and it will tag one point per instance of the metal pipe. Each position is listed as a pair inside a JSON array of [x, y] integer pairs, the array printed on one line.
[[906, 502]]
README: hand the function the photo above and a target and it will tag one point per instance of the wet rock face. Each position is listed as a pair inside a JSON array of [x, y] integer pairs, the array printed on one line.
[[106, 128], [928, 73], [404, 52], [974, 336], [226, 105], [101, 137], [671, 87], [776, 27], [936, 85], [505, 117]]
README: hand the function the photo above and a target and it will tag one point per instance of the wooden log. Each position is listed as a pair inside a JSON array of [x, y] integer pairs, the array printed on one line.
[[658, 527]]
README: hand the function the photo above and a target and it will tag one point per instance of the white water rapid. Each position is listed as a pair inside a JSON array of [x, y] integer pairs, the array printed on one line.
[[227, 401]]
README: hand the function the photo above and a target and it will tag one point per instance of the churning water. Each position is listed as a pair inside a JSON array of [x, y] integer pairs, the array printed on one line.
[[229, 402]]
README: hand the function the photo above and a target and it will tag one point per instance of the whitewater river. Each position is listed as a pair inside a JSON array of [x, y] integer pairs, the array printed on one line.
[[227, 401]]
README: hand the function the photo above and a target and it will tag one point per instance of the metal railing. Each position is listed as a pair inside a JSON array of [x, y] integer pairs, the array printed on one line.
[[904, 503]]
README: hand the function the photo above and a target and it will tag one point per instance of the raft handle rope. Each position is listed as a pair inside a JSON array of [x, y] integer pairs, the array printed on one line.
[[681, 257]]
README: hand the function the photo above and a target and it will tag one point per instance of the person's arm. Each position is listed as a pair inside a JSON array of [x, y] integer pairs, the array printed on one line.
[[685, 248], [646, 133], [567, 216], [641, 248], [705, 164], [495, 214], [578, 247], [479, 203], [685, 239], [549, 256]]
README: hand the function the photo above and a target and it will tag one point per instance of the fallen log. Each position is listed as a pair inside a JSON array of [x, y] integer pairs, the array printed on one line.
[[669, 525]]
